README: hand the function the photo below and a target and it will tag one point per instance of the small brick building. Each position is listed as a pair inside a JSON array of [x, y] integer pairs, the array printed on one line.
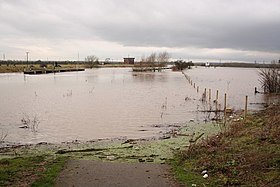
[[128, 60]]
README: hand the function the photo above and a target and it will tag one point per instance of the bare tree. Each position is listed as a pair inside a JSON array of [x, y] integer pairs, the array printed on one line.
[[148, 61], [163, 58], [156, 60], [151, 59], [143, 60], [92, 60]]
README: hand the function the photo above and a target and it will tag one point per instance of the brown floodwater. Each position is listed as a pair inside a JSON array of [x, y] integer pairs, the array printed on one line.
[[114, 102]]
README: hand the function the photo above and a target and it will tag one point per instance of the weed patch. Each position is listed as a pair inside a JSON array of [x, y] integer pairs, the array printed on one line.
[[247, 153]]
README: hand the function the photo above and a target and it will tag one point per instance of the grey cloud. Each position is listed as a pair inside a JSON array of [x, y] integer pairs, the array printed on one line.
[[199, 29], [240, 25]]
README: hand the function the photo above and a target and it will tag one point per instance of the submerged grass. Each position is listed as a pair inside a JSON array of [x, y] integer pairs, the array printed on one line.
[[247, 154]]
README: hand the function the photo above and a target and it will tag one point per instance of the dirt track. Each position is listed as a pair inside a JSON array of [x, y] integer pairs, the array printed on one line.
[[103, 174]]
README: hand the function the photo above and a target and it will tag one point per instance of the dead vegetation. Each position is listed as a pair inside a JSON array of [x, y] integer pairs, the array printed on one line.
[[30, 123], [270, 79], [247, 153], [3, 135]]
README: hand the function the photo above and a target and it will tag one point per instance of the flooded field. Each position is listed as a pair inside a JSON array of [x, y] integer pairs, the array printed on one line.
[[111, 103]]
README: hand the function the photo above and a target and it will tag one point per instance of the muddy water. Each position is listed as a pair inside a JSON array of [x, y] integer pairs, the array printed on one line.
[[110, 103], [236, 83]]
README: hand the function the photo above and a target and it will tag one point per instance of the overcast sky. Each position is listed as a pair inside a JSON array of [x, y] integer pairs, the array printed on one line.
[[198, 30]]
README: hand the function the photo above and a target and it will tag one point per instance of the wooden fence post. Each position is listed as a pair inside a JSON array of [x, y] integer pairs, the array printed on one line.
[[225, 103], [216, 100], [225, 107], [246, 106]]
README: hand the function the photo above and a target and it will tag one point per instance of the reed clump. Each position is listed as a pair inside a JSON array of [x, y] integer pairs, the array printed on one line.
[[270, 79]]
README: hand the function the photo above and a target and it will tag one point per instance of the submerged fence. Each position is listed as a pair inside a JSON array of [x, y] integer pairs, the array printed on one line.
[[206, 98]]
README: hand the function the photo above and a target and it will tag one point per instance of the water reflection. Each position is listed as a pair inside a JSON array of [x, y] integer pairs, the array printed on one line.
[[142, 77], [150, 76]]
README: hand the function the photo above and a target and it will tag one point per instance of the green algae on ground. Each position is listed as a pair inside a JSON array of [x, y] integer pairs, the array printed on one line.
[[157, 150]]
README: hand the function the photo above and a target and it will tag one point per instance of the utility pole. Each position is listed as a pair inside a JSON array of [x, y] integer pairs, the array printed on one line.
[[78, 60], [27, 58]]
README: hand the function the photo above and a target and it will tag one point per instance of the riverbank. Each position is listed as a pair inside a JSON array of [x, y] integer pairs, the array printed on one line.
[[22, 162], [19, 68], [245, 154]]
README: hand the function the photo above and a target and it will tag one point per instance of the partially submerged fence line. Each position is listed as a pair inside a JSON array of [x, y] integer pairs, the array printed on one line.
[[216, 101]]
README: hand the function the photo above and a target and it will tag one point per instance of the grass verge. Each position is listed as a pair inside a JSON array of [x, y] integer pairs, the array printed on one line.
[[246, 154], [30, 171], [52, 170]]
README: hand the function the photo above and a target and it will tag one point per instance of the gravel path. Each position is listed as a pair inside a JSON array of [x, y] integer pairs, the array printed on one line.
[[102, 174]]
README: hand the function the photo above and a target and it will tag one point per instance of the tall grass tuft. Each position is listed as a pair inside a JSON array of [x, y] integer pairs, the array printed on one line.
[[270, 79]]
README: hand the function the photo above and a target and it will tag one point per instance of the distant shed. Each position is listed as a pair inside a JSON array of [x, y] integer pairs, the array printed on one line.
[[128, 60]]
